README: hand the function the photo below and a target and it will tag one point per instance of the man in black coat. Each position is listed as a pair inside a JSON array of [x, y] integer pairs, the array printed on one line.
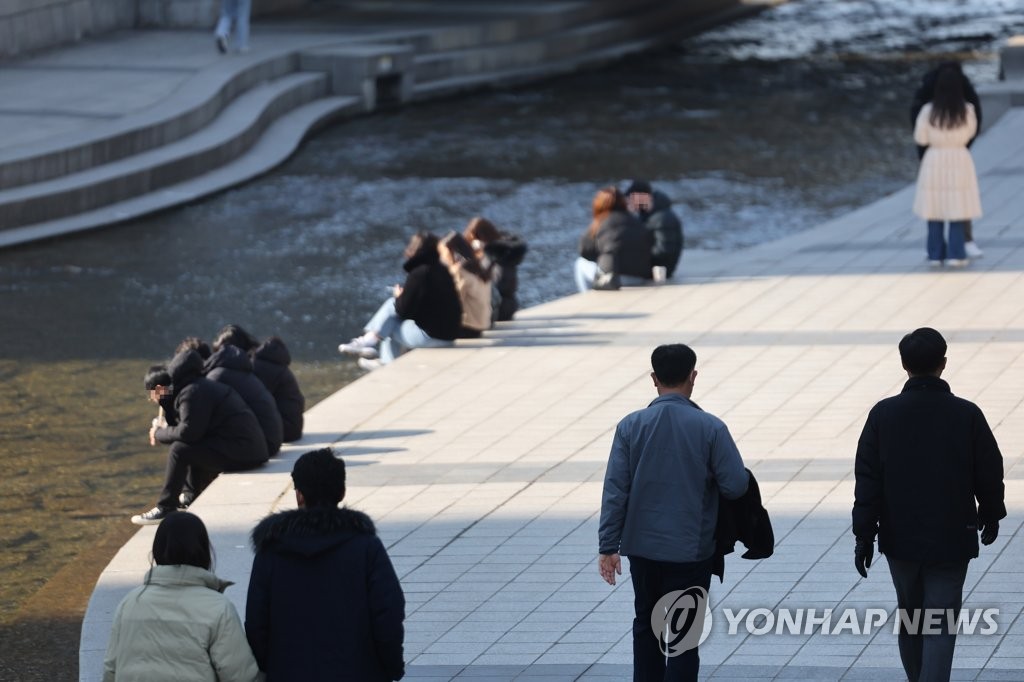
[[654, 210], [924, 459], [324, 601], [231, 365], [210, 429]]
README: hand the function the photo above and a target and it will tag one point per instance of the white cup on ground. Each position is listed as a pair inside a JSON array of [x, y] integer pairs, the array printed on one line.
[[659, 273]]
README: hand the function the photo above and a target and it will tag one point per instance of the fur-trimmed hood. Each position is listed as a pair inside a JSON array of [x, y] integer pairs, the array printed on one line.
[[310, 531]]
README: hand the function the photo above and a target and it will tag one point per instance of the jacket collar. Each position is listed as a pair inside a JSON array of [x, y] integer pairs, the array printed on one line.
[[184, 576], [926, 383], [674, 397]]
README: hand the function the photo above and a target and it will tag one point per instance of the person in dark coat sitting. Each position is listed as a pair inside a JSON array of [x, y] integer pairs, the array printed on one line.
[[213, 430], [654, 209], [324, 601], [616, 248], [231, 366], [271, 361]]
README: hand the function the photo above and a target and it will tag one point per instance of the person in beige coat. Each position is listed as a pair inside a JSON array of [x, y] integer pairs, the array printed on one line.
[[178, 625], [472, 282], [947, 184]]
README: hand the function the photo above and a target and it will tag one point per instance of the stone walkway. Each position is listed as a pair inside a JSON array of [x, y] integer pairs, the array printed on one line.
[[483, 464]]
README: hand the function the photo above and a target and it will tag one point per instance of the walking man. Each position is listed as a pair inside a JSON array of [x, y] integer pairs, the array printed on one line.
[[924, 459], [668, 465]]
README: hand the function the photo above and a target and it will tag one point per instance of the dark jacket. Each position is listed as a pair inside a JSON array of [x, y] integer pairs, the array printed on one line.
[[504, 256], [212, 415], [231, 365], [742, 520], [324, 601], [429, 297], [270, 364], [621, 246], [666, 230], [926, 91], [923, 459]]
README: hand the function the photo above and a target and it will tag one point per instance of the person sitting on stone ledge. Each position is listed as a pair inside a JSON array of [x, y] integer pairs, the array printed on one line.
[[213, 431], [615, 249], [501, 254], [472, 282], [231, 365]]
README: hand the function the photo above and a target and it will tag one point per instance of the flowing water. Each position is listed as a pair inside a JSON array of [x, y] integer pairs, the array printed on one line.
[[756, 130]]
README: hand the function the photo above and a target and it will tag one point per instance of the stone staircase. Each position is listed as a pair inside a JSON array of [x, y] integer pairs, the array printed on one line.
[[242, 117]]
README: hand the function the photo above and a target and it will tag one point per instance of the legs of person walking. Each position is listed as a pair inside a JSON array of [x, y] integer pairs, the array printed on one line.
[[651, 581], [936, 241], [584, 272], [228, 16], [956, 240], [922, 588], [242, 12]]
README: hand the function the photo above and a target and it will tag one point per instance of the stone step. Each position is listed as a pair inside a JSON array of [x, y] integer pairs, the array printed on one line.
[[278, 142], [234, 131]]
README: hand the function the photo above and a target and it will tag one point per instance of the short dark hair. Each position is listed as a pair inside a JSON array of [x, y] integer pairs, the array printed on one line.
[[194, 343], [234, 335], [156, 375], [638, 187], [923, 351], [320, 477], [181, 539], [673, 363]]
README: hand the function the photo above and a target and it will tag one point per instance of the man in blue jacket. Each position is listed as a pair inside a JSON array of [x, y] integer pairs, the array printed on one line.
[[324, 601], [668, 465], [923, 459]]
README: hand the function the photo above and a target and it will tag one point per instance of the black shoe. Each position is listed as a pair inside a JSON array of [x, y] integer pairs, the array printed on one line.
[[186, 499], [152, 517], [222, 44]]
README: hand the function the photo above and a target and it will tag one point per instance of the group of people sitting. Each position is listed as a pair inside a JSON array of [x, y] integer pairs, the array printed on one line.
[[228, 407], [456, 287], [634, 237]]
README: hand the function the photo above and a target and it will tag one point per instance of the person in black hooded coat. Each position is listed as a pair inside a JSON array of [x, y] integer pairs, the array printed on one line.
[[271, 361], [213, 431], [231, 366], [324, 601], [654, 209]]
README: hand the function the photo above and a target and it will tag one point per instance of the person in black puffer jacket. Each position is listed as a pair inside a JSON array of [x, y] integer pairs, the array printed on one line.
[[324, 601], [214, 431], [271, 361], [616, 248], [230, 365], [654, 209], [425, 312], [501, 254]]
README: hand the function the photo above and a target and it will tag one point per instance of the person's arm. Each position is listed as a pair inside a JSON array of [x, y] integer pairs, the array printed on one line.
[[972, 124], [921, 126], [257, 609], [387, 611], [110, 659], [230, 655], [971, 95], [989, 489], [194, 411], [588, 247], [408, 303], [868, 499], [614, 502], [727, 465]]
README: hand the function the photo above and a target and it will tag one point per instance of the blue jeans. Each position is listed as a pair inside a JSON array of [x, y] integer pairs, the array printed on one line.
[[235, 12], [937, 243], [586, 271], [398, 335]]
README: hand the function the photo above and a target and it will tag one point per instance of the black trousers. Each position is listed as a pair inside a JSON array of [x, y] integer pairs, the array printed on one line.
[[927, 657], [194, 467], [651, 581]]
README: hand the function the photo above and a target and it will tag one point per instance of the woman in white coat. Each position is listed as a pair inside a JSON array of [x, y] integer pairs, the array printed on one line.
[[178, 625], [947, 185]]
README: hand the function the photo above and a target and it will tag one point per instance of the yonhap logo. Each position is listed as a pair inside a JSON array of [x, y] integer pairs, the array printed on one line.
[[678, 620]]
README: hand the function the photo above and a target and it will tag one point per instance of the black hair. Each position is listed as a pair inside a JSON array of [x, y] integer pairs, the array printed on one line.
[[923, 351], [673, 363], [197, 344], [638, 186], [949, 104], [181, 539], [320, 477], [157, 375], [234, 335]]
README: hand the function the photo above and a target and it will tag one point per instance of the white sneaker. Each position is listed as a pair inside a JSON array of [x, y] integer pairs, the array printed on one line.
[[972, 250], [958, 262], [934, 264], [364, 346], [369, 364], [152, 517]]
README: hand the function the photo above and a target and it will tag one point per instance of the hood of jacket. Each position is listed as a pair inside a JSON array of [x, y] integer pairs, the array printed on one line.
[[506, 251], [311, 530], [186, 367], [183, 575], [426, 255], [228, 357], [273, 350], [660, 202]]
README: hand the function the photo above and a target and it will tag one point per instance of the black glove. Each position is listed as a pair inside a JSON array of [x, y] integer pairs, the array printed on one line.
[[862, 554], [989, 532]]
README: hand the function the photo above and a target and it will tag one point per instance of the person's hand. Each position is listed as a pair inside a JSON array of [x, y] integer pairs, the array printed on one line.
[[989, 532], [152, 434], [608, 565], [863, 551], [397, 290]]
